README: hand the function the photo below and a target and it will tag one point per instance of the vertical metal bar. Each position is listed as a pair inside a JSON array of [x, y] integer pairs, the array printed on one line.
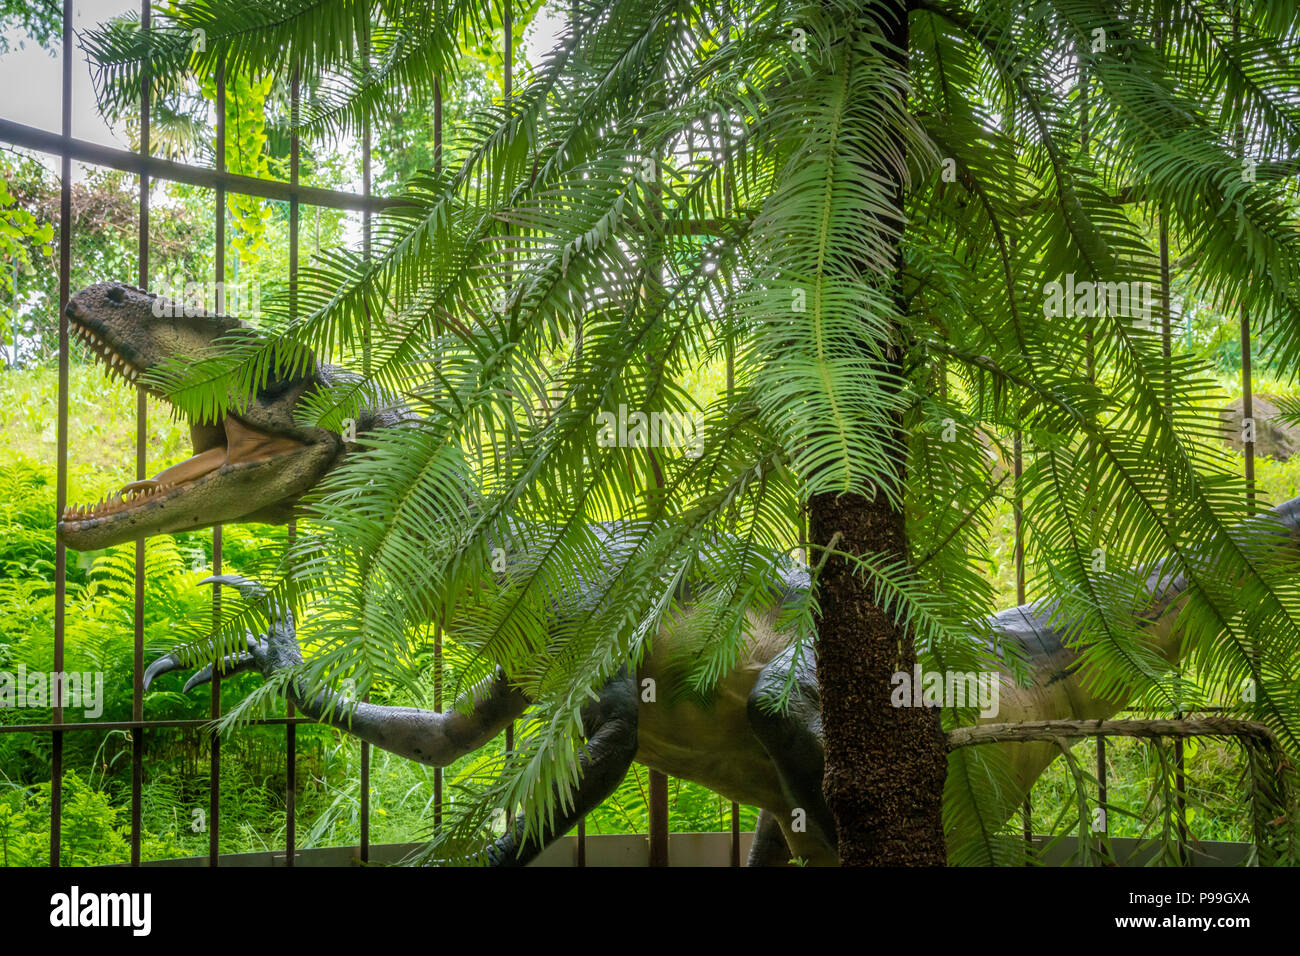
[[728, 190], [1166, 316], [1247, 398], [1027, 821], [658, 819], [731, 392], [1162, 226], [214, 705], [437, 125], [1247, 410], [291, 760], [1089, 353], [1180, 790], [508, 28], [658, 782], [577, 361], [437, 629], [1166, 319], [291, 732], [61, 452], [735, 834], [1166, 348], [214, 712], [437, 705], [1102, 795], [1018, 511], [364, 809], [728, 193], [1018, 520], [141, 450], [291, 764]]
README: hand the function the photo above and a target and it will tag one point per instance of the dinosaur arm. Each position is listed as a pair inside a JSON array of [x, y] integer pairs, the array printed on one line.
[[436, 738], [610, 726]]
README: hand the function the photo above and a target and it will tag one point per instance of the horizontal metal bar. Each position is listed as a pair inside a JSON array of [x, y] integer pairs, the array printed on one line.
[[192, 724], [179, 724], [49, 142]]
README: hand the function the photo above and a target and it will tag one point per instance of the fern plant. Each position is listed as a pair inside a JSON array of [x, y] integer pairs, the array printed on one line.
[[866, 210]]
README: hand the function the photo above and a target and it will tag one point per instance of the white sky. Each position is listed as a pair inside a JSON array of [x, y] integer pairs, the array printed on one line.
[[31, 78], [31, 81]]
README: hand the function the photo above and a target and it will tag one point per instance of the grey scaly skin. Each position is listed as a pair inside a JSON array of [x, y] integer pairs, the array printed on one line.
[[255, 466]]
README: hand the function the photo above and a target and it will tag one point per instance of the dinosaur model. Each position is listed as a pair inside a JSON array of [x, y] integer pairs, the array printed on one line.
[[254, 466]]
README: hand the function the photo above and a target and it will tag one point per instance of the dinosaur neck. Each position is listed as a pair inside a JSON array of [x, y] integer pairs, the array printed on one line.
[[1057, 686], [383, 411]]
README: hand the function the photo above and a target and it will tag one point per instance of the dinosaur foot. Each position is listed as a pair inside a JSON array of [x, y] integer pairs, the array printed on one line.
[[267, 655]]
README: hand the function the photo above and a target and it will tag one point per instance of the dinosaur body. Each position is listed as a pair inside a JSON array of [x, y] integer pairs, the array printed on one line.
[[253, 467], [712, 744]]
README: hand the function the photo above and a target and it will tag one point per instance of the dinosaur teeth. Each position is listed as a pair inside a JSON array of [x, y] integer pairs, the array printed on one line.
[[114, 364], [146, 486]]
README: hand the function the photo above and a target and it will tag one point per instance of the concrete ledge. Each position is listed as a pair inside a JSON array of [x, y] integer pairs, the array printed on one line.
[[684, 849], [605, 850]]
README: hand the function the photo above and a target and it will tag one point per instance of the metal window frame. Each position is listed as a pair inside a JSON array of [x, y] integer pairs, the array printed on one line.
[[222, 182]]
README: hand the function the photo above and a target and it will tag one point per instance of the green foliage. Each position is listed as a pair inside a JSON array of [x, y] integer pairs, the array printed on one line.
[[93, 833], [104, 229], [96, 809], [352, 58], [246, 154], [20, 233], [682, 181]]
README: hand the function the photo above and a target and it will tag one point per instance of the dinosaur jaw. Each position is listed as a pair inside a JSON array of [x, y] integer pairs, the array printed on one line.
[[239, 471]]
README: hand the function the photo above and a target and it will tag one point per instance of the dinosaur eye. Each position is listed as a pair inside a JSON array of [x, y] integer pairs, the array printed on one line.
[[276, 387], [117, 294]]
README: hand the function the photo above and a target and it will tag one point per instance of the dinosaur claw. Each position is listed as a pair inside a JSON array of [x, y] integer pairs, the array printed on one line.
[[200, 676], [162, 665], [230, 664], [249, 588]]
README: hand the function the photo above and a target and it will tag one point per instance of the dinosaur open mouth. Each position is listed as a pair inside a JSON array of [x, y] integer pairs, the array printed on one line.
[[219, 448]]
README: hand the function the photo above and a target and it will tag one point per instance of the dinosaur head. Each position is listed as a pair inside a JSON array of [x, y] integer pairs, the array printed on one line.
[[247, 467]]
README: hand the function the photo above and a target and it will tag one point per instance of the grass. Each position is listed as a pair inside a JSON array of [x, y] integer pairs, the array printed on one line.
[[101, 439]]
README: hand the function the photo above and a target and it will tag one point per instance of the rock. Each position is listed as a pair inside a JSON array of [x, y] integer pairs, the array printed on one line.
[[1273, 437]]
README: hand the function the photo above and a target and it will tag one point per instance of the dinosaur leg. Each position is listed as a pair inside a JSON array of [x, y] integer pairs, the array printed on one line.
[[609, 724], [792, 738], [436, 738], [769, 847]]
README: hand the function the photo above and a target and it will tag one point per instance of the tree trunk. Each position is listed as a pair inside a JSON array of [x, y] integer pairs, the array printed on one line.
[[885, 765]]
